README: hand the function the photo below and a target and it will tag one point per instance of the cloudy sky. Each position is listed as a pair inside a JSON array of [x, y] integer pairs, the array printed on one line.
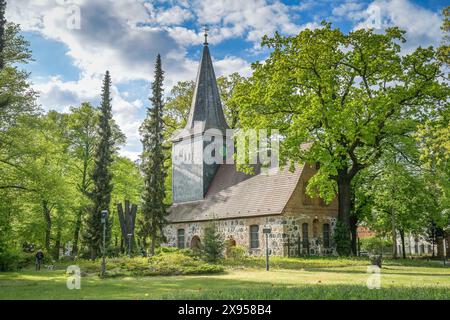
[[75, 41]]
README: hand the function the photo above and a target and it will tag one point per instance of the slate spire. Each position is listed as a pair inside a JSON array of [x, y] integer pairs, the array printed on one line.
[[206, 106]]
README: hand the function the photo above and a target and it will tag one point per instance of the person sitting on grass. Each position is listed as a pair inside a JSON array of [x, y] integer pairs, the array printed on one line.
[[39, 259]]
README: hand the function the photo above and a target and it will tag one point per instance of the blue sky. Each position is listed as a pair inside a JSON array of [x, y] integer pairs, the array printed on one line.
[[75, 41]]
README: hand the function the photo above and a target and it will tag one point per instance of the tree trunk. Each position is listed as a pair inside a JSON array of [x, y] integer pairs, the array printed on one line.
[[48, 224], [447, 247], [440, 247], [57, 244], [153, 245], [76, 234], [402, 237], [394, 237], [354, 233], [344, 197]]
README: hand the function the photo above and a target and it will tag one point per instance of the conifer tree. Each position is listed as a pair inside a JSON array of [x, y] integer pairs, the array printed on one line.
[[154, 209], [101, 194]]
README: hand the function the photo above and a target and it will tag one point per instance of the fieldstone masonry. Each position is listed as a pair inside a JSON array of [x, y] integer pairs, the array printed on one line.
[[283, 228]]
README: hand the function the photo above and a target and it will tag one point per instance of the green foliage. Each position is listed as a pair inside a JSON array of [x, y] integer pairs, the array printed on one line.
[[345, 95], [236, 254], [342, 239], [101, 176], [375, 245], [154, 208], [13, 259], [213, 244], [162, 264]]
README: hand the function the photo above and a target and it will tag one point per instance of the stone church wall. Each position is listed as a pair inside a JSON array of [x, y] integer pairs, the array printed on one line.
[[283, 228]]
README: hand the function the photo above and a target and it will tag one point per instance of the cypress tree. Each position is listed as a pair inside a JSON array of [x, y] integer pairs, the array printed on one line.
[[101, 194], [2, 32], [154, 209]]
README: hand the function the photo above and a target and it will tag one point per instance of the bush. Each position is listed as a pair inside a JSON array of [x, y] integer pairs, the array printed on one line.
[[237, 253], [176, 262], [12, 260], [214, 244], [375, 245]]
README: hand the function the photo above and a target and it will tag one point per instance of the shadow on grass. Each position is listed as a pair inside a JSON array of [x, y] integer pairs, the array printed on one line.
[[316, 292], [384, 271]]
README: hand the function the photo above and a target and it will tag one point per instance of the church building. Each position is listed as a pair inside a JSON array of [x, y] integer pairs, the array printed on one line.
[[240, 204]]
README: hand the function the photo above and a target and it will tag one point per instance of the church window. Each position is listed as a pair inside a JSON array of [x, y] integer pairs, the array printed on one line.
[[180, 238], [254, 236], [196, 244], [305, 239], [326, 235]]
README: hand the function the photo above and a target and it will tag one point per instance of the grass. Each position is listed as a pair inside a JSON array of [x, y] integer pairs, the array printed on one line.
[[289, 278]]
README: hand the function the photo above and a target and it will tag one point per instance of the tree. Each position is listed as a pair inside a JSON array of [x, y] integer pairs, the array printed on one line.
[[345, 95], [82, 138], [227, 85], [101, 193], [154, 209], [213, 243], [16, 96], [17, 99]]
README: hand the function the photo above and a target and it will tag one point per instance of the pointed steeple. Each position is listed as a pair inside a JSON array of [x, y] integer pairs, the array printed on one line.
[[206, 105]]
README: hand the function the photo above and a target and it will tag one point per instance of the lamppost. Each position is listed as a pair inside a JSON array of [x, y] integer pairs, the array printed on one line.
[[267, 231], [130, 235], [104, 219]]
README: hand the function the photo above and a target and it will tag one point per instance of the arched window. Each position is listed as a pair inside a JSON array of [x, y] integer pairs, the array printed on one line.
[[196, 243], [305, 239], [180, 239], [326, 235], [254, 237]]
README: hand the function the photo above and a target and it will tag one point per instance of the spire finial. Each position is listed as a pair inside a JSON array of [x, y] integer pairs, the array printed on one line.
[[206, 35]]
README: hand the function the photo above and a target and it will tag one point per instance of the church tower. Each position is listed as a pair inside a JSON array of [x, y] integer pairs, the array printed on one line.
[[191, 175]]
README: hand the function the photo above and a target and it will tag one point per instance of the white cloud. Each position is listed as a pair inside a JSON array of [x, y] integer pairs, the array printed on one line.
[[251, 18], [422, 25]]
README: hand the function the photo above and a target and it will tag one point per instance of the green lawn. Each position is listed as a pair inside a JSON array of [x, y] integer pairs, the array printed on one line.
[[289, 279]]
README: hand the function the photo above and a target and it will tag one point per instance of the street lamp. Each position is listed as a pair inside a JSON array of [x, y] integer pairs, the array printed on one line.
[[104, 219], [267, 231]]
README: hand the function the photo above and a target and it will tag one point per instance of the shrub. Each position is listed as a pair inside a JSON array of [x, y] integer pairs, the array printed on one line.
[[214, 244], [375, 245], [236, 253], [177, 262], [12, 260]]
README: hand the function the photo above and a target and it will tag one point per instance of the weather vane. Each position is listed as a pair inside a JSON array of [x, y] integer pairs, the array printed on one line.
[[206, 35]]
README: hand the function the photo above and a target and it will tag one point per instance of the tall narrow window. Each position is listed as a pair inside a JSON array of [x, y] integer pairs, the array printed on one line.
[[180, 239], [254, 236], [326, 235], [305, 239]]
